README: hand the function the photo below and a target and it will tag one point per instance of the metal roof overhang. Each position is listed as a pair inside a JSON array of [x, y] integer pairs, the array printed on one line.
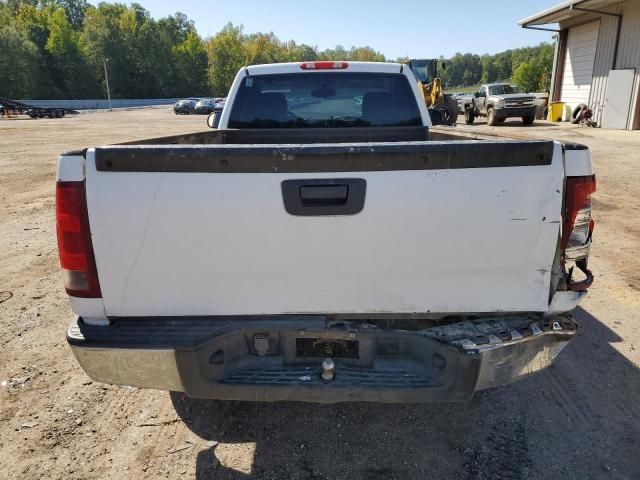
[[565, 11]]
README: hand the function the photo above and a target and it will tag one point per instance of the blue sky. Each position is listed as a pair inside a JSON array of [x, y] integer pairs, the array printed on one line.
[[393, 27]]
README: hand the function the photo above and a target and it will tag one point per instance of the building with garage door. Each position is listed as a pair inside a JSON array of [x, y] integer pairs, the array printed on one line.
[[597, 57]]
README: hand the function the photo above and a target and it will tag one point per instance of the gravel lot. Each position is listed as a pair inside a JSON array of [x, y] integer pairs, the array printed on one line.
[[579, 419]]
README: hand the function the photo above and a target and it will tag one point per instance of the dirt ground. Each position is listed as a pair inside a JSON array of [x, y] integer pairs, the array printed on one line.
[[578, 419]]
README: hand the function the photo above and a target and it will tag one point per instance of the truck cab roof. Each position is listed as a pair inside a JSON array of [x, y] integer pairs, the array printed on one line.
[[336, 66]]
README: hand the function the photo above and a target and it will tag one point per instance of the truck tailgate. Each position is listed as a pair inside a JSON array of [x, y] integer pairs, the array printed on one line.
[[456, 226]]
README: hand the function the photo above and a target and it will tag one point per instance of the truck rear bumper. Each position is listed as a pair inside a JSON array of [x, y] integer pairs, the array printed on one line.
[[278, 359]]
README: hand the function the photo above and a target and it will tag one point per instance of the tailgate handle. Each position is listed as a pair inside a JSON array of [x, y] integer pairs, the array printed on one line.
[[324, 194], [333, 196]]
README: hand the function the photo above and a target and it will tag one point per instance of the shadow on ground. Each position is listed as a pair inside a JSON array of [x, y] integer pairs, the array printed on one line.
[[578, 419]]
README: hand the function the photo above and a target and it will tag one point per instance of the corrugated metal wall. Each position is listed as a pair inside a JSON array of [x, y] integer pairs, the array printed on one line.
[[604, 58], [577, 79], [604, 53], [628, 48]]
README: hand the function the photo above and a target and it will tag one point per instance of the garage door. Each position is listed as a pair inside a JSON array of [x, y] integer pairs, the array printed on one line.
[[578, 64]]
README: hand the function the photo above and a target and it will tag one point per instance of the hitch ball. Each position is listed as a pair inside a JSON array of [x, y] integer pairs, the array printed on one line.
[[328, 370]]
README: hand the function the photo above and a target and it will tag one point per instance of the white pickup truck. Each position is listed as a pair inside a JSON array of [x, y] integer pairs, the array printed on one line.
[[324, 244]]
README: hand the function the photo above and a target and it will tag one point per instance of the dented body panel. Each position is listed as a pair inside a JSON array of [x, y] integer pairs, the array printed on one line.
[[194, 243]]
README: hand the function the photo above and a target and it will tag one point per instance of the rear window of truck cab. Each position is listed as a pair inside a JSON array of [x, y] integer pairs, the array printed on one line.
[[324, 99]]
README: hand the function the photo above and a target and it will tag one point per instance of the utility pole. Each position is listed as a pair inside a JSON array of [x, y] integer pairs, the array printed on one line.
[[106, 77]]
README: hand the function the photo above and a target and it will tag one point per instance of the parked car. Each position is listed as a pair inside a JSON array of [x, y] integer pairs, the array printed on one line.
[[185, 106], [204, 106], [499, 101], [398, 262]]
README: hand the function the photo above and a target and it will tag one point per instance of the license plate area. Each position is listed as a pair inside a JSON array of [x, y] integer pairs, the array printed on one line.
[[308, 347]]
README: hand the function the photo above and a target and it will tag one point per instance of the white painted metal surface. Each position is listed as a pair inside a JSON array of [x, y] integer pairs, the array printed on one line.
[[617, 101], [607, 38], [70, 168], [565, 301], [465, 240], [578, 163], [579, 60], [564, 11], [432, 241], [89, 308]]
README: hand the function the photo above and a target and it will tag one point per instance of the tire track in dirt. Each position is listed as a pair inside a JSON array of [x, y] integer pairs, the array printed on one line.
[[568, 401]]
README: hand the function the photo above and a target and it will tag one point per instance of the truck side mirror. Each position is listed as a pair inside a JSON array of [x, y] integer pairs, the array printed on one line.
[[476, 94]]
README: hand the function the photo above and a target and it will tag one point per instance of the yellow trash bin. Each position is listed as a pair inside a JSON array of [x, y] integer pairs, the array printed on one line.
[[556, 110]]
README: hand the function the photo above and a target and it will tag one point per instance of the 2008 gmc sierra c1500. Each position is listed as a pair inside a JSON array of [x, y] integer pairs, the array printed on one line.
[[324, 244]]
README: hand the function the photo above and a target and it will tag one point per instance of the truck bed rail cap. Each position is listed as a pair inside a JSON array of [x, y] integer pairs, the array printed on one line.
[[323, 158]]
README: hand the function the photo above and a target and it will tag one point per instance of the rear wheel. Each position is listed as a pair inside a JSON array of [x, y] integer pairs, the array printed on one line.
[[528, 119], [452, 108], [469, 116], [491, 117]]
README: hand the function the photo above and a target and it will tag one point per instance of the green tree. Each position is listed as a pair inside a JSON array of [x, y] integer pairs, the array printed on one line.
[[365, 54], [6, 15], [292, 52], [109, 34], [227, 54], [21, 72], [151, 57], [526, 76], [532, 67], [74, 10], [191, 66], [503, 65], [489, 70], [262, 48], [338, 53], [58, 48], [67, 67], [33, 22]]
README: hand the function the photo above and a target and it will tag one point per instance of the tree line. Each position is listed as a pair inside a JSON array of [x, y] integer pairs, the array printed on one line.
[[60, 48], [529, 67]]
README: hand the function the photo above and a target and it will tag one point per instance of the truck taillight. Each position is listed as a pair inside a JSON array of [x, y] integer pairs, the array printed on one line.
[[578, 226], [74, 241], [324, 65]]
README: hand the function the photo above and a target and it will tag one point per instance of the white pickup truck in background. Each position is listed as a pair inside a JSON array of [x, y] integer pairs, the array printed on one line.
[[323, 244]]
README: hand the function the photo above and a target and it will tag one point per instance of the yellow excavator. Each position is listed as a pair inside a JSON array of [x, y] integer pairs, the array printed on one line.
[[442, 107]]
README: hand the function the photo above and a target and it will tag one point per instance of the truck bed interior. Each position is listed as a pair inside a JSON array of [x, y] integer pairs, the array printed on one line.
[[266, 136]]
